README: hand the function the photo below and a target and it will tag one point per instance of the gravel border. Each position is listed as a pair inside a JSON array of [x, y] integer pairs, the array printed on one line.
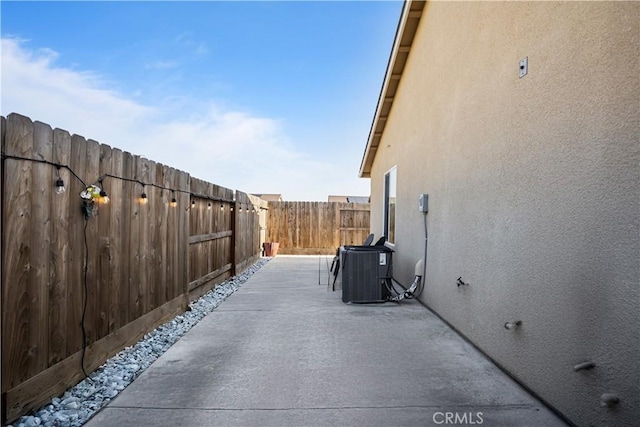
[[80, 402]]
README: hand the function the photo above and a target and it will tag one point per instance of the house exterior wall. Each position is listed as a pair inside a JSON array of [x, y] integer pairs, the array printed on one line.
[[534, 190]]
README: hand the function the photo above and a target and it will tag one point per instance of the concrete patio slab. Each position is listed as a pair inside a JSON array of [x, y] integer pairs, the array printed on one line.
[[285, 351]]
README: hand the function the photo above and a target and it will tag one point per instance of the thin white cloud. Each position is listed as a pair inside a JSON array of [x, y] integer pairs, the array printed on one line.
[[184, 36], [201, 49], [187, 41], [229, 148]]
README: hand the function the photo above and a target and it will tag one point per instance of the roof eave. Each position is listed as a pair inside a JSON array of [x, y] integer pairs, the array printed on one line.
[[405, 33]]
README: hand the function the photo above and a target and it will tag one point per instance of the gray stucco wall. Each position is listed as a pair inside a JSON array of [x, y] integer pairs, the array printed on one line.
[[534, 188]]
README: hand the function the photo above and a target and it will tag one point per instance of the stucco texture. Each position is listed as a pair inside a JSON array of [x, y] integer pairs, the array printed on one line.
[[534, 190]]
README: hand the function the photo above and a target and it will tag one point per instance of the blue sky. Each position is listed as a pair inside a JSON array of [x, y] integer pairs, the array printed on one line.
[[263, 97]]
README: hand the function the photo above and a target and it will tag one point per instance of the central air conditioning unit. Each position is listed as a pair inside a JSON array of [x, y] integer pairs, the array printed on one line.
[[365, 272]]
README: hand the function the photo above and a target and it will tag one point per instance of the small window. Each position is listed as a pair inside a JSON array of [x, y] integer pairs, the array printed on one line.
[[390, 205]]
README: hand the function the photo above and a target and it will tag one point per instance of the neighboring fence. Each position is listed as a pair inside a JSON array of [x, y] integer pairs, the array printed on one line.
[[144, 261], [305, 228]]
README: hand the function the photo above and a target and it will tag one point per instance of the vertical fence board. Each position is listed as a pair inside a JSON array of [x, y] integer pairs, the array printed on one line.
[[295, 214], [59, 250], [235, 212], [116, 252], [182, 267], [38, 290], [180, 283], [162, 211], [153, 255], [16, 250], [238, 246], [128, 206], [77, 223], [145, 252], [325, 223], [337, 233], [308, 231], [238, 236], [293, 220], [180, 219], [303, 221], [91, 287], [172, 239], [217, 258], [287, 229], [106, 255], [203, 253], [137, 208], [314, 231]]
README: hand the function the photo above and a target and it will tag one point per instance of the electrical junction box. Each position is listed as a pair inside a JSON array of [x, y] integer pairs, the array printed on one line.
[[423, 203], [364, 273]]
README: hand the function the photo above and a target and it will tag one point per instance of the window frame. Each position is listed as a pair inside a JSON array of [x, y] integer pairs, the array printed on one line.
[[389, 204]]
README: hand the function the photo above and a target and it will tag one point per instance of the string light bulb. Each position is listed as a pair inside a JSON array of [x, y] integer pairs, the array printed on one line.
[[221, 207], [60, 188], [193, 203], [104, 198], [173, 202], [209, 206], [143, 197]]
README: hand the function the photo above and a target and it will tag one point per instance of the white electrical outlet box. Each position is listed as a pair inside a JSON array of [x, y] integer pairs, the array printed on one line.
[[423, 203], [523, 68]]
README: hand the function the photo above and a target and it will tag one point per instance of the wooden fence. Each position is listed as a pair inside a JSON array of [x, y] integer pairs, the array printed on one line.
[[305, 228], [132, 266]]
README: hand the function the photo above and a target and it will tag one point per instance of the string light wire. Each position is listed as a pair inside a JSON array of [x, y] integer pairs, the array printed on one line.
[[57, 165], [108, 175]]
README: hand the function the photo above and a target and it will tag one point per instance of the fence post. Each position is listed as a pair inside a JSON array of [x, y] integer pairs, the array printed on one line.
[[234, 236]]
